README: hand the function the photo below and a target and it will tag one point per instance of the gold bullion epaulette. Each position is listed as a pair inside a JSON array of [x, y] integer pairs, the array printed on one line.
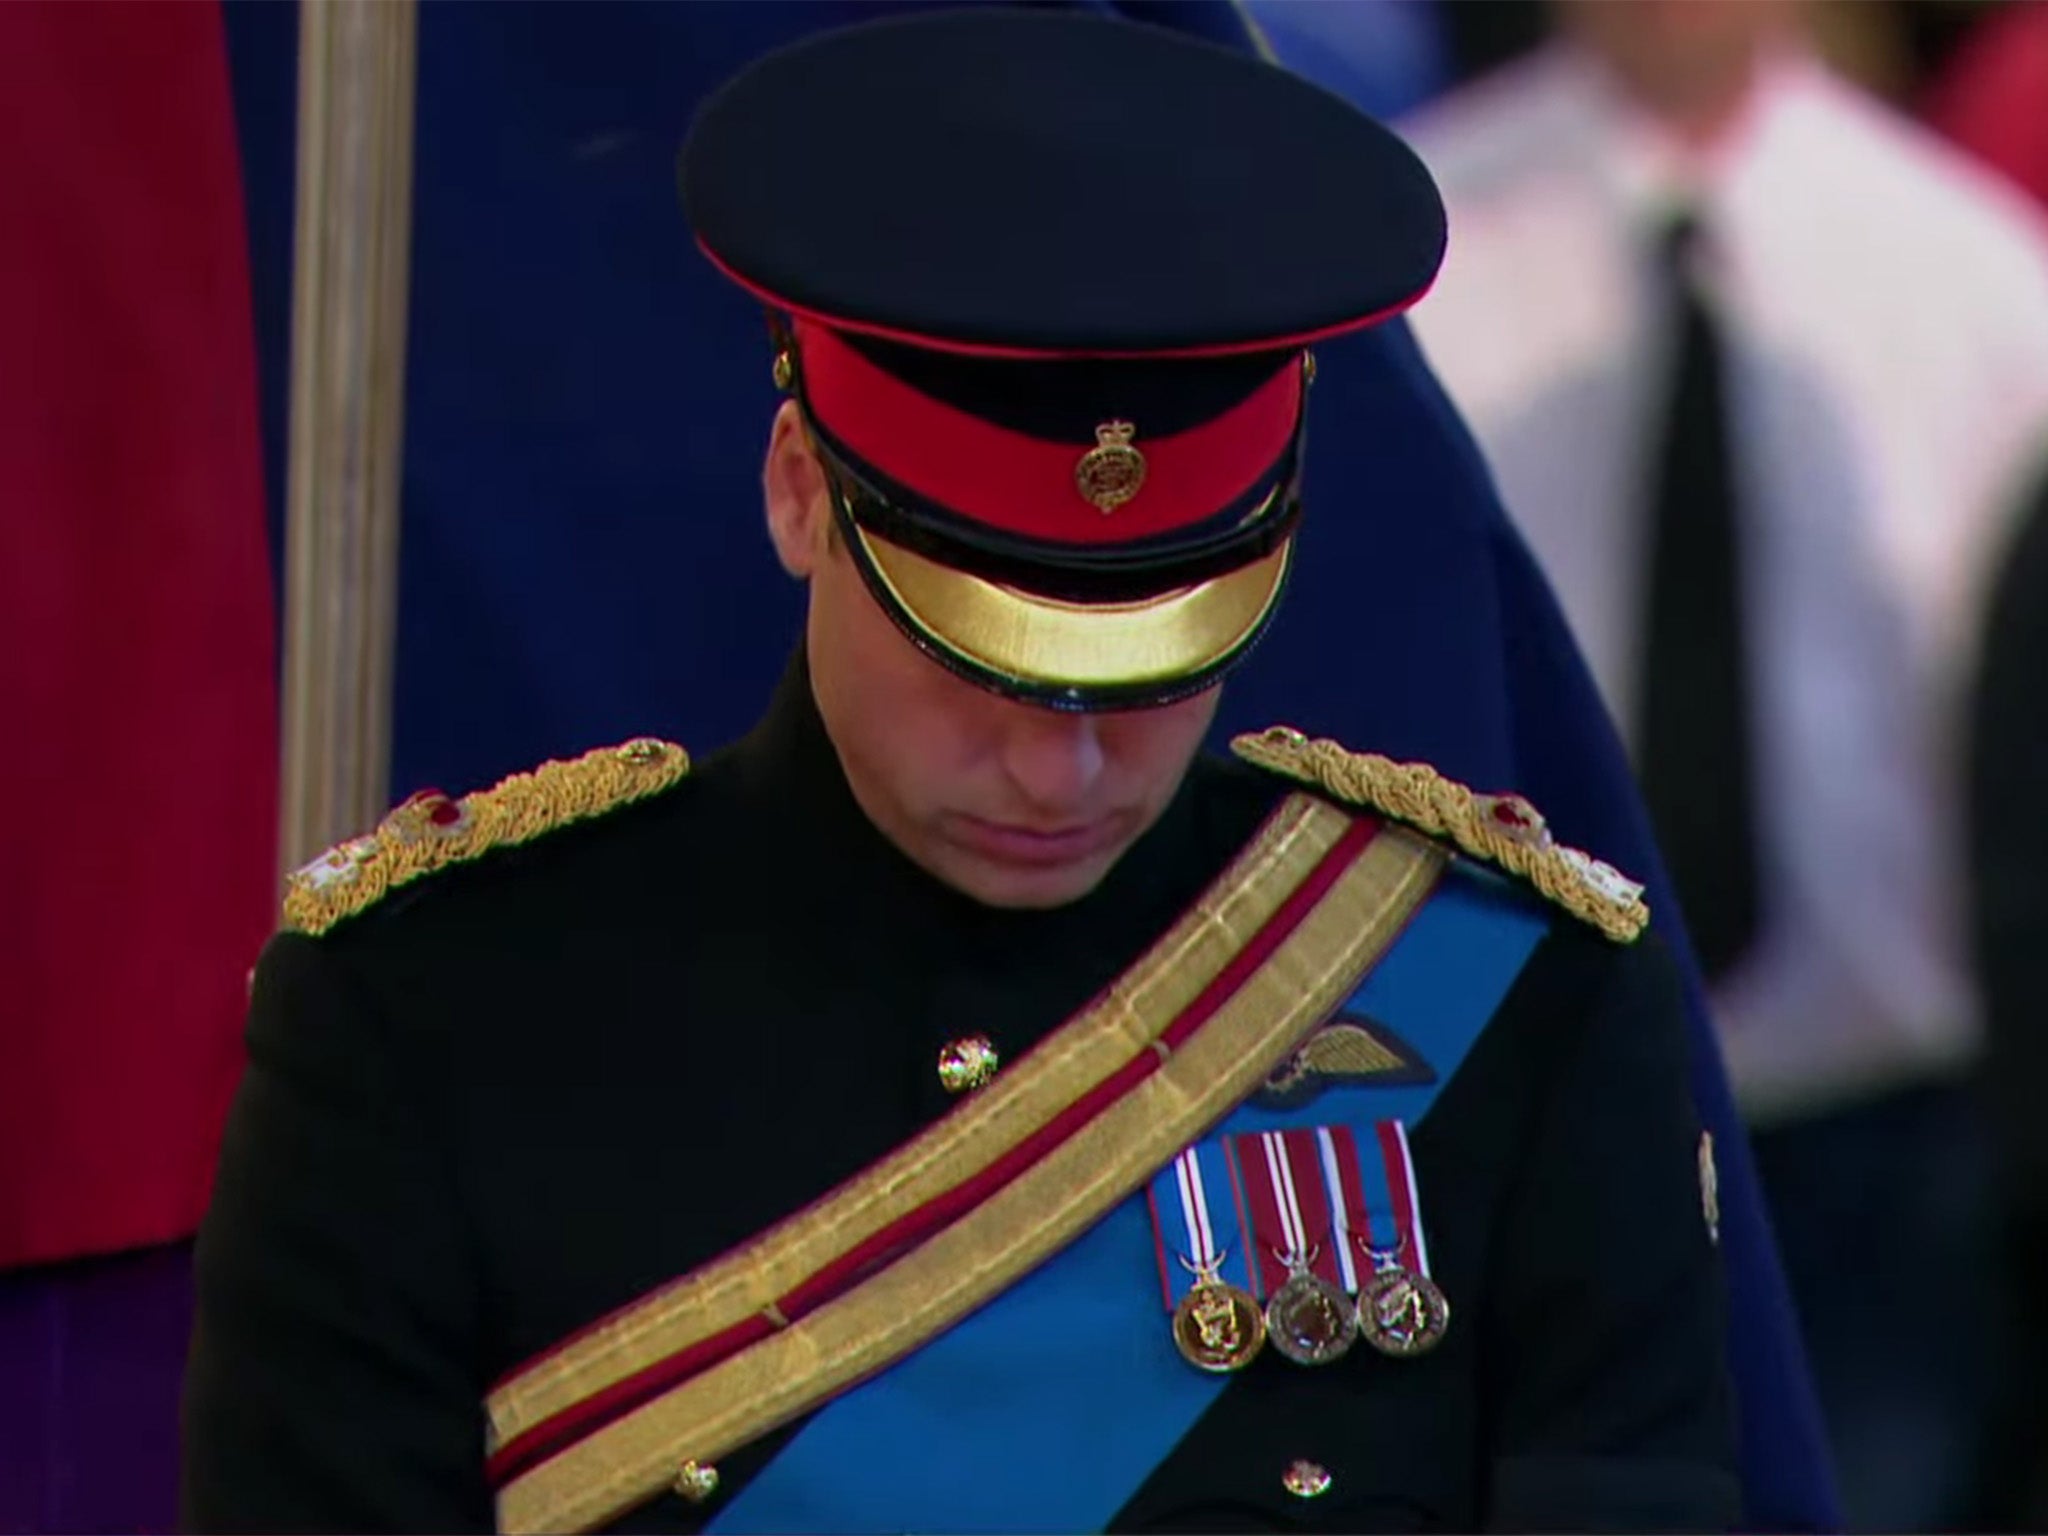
[[1503, 830], [430, 832]]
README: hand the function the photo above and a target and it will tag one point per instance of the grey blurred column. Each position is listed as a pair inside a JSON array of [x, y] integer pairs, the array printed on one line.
[[352, 247]]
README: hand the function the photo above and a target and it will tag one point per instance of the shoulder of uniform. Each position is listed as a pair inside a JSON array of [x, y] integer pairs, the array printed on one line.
[[1502, 830], [430, 832]]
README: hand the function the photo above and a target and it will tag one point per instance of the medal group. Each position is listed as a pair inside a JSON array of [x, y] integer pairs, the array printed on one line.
[[1284, 1218]]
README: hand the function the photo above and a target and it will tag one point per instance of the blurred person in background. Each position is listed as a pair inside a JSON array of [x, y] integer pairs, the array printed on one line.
[[2008, 905], [1758, 366], [1987, 99]]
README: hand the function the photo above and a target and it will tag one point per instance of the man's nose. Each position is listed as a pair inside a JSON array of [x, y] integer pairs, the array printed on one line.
[[1054, 759]]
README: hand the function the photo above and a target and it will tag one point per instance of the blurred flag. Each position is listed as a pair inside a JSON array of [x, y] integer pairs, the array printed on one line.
[[137, 775]]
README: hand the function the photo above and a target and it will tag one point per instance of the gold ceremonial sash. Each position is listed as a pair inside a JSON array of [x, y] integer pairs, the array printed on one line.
[[1275, 944]]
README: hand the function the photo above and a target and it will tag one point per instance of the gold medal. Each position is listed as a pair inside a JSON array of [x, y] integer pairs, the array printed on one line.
[[1217, 1326], [1310, 1321], [1402, 1313]]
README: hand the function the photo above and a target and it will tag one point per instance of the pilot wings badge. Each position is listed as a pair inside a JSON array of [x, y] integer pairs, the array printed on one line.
[[1351, 1049]]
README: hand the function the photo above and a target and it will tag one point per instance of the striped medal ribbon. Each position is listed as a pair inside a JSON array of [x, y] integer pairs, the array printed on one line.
[[1402, 1312], [1297, 1222]]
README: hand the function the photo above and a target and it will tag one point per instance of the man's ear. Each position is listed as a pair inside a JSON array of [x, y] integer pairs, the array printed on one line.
[[793, 485]]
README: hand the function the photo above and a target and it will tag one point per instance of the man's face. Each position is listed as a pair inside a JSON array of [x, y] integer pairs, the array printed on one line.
[[1015, 805]]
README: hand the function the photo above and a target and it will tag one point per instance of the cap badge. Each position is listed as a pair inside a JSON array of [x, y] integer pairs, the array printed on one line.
[[1111, 472]]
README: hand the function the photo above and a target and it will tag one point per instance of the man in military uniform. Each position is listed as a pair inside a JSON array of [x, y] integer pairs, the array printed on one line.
[[958, 1105]]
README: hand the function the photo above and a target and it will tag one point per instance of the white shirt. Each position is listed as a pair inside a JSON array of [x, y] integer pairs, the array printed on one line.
[[1885, 307]]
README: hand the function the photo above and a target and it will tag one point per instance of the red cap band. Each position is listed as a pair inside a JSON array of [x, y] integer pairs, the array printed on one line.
[[1025, 485]]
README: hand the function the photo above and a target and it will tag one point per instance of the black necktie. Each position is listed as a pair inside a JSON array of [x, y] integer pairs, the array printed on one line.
[[1694, 725]]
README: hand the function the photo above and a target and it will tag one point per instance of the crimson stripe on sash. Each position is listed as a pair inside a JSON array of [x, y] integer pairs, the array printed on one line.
[[589, 1414]]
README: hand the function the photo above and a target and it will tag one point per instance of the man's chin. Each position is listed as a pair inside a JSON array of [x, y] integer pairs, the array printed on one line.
[[1025, 887]]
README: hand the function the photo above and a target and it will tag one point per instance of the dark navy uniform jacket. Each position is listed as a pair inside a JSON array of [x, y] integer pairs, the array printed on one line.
[[521, 1093]]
